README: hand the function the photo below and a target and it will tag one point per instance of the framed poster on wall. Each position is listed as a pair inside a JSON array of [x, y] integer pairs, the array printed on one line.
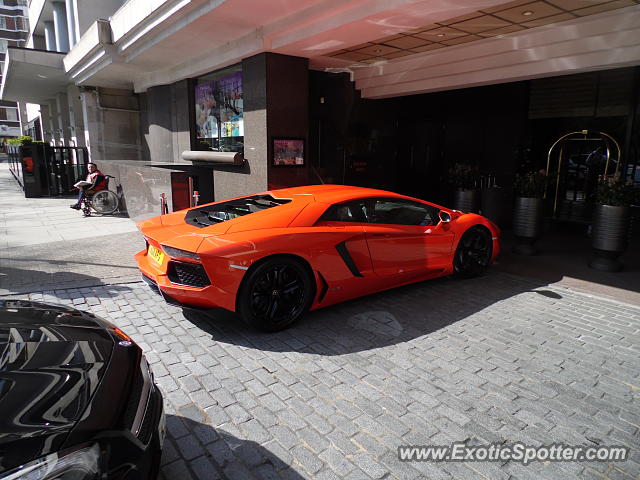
[[288, 152]]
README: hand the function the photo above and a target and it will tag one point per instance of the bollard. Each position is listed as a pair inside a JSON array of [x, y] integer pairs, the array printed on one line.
[[196, 198], [163, 204]]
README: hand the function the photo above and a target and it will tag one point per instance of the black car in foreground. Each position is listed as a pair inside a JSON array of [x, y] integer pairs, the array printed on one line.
[[77, 398]]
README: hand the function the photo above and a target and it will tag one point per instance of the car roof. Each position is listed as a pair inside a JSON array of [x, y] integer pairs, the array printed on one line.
[[332, 193]]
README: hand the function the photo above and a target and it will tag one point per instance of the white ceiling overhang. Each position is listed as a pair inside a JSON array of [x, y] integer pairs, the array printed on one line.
[[609, 40], [154, 43], [33, 76]]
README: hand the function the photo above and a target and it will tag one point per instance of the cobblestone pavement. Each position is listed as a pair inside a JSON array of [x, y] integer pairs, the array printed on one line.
[[495, 359]]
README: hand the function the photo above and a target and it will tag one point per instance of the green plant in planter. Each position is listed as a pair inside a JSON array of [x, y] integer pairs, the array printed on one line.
[[466, 179], [464, 176], [24, 140], [611, 219], [615, 192], [531, 185]]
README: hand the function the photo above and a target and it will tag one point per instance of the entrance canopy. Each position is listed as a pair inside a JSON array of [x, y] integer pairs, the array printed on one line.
[[33, 76], [393, 48]]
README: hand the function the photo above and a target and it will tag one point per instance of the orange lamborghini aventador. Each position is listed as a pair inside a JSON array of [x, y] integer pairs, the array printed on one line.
[[274, 255]]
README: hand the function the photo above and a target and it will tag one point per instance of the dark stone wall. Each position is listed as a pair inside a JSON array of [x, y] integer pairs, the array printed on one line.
[[287, 115], [407, 144]]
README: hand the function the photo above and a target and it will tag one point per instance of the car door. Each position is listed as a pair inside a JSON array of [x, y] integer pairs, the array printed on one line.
[[405, 238], [347, 218]]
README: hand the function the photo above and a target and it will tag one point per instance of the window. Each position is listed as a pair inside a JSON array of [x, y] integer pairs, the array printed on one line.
[[221, 212], [345, 212], [382, 210], [22, 24], [12, 114], [218, 101]]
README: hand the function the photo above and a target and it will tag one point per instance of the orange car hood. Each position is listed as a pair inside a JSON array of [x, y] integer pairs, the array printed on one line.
[[174, 231]]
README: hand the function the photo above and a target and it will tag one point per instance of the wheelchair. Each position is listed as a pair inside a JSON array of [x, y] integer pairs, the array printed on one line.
[[103, 202]]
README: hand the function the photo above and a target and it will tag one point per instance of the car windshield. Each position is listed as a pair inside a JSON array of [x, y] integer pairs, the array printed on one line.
[[220, 212]]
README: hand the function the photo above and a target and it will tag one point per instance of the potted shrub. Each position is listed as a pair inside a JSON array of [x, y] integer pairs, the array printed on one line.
[[610, 225], [528, 212], [465, 179]]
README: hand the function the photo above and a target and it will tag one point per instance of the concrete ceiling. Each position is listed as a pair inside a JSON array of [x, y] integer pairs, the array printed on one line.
[[33, 76], [382, 43]]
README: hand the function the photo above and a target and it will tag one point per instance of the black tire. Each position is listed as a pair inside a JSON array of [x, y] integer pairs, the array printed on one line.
[[105, 202], [275, 294], [473, 254]]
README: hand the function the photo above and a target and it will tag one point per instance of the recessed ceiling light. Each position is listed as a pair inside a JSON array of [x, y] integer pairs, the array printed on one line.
[[377, 50], [440, 35], [41, 76], [526, 13]]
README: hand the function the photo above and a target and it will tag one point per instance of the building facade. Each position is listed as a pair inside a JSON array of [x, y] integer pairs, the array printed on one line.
[[14, 31], [169, 95]]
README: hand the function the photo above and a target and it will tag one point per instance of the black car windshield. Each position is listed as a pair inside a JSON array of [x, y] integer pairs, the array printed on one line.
[[220, 212]]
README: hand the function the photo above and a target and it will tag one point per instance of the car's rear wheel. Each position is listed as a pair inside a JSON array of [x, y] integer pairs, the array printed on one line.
[[275, 294], [473, 254]]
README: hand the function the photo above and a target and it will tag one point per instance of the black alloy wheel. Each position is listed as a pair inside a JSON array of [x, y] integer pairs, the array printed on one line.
[[275, 294], [473, 254]]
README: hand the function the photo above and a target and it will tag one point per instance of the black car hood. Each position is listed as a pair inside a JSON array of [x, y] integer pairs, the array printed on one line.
[[52, 359]]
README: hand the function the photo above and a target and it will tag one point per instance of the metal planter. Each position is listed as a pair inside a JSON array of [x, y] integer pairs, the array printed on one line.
[[609, 236], [495, 205], [527, 224], [467, 201]]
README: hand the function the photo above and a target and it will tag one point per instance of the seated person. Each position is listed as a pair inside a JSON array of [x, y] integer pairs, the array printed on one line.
[[95, 182]]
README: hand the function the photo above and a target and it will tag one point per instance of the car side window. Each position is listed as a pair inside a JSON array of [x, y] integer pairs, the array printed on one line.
[[382, 210], [344, 212], [400, 212]]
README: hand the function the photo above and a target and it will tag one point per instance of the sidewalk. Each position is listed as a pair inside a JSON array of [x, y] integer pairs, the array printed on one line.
[[46, 245]]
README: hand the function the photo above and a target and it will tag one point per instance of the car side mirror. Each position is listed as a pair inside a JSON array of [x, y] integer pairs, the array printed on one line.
[[444, 216]]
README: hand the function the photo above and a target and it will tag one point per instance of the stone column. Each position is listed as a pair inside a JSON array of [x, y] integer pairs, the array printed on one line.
[[71, 22], [44, 123], [93, 131], [276, 104], [60, 24], [50, 36], [22, 111], [76, 122], [62, 105], [52, 124]]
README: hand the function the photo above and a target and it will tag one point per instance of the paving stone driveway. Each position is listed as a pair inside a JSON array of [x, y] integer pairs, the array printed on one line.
[[495, 359]]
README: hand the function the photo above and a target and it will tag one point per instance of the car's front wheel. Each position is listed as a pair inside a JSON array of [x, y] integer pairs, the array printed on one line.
[[275, 294], [473, 254]]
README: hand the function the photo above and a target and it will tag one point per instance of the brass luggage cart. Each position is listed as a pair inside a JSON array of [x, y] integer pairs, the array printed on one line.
[[574, 163]]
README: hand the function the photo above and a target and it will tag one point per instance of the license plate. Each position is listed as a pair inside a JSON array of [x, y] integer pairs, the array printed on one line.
[[156, 254]]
